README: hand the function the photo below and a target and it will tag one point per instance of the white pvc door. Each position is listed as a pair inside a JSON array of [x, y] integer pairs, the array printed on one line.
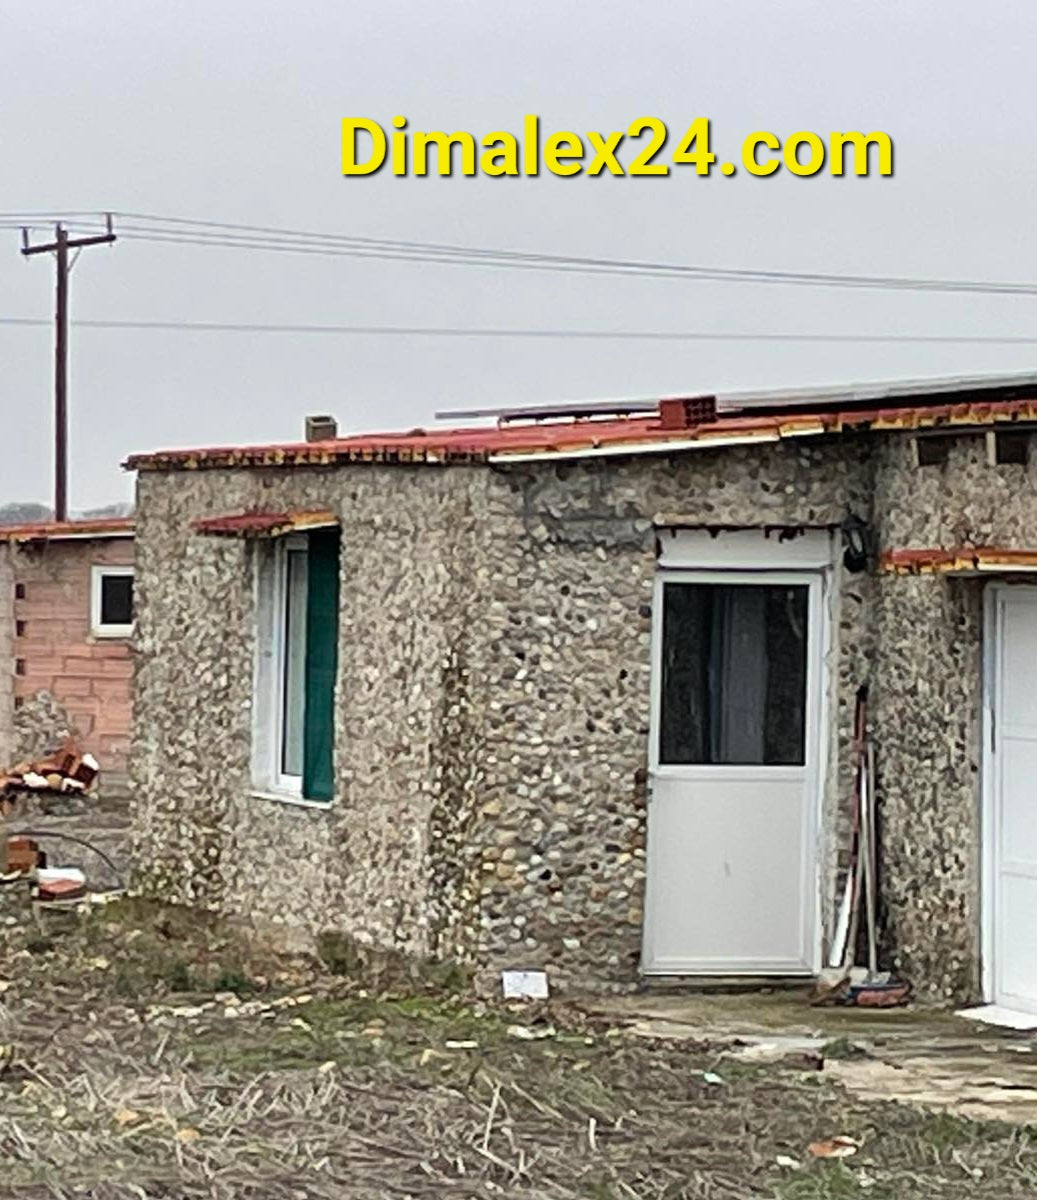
[[1012, 825], [731, 874]]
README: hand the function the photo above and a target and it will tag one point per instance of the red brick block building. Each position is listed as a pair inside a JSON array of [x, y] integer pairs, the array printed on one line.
[[66, 620]]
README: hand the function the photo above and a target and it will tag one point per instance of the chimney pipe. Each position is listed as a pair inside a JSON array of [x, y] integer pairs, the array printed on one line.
[[321, 429]]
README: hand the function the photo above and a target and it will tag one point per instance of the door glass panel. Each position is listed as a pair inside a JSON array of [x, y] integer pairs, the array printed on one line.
[[734, 674], [294, 709]]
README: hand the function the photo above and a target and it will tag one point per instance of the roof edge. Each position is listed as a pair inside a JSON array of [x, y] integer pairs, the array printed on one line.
[[502, 445], [265, 523], [958, 560], [67, 531]]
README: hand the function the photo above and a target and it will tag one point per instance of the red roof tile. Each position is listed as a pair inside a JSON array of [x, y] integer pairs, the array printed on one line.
[[636, 434], [960, 560], [60, 531], [258, 523]]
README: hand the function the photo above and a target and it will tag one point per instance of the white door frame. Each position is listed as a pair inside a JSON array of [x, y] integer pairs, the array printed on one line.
[[990, 825], [761, 564]]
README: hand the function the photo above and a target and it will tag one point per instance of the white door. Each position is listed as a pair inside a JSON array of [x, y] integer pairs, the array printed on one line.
[[1011, 830], [732, 884]]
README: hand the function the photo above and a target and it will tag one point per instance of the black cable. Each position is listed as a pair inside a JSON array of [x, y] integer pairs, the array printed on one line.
[[559, 334], [185, 231]]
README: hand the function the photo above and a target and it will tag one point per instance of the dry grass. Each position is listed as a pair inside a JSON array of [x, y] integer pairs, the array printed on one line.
[[348, 1095]]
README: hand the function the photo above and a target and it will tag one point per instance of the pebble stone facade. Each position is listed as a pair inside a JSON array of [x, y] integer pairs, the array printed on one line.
[[493, 697]]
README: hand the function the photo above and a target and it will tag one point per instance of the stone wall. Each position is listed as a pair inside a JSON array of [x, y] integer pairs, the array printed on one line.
[[926, 726], [363, 865], [566, 667], [493, 697], [928, 698]]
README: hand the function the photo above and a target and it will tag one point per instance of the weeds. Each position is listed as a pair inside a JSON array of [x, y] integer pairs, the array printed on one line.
[[131, 1078], [843, 1048]]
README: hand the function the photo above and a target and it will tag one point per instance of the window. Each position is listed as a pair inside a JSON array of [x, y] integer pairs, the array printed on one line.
[[111, 602], [1011, 447], [933, 451], [296, 665], [734, 673]]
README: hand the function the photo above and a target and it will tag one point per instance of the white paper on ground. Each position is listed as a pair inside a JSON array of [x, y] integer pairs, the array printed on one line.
[[994, 1014], [524, 985]]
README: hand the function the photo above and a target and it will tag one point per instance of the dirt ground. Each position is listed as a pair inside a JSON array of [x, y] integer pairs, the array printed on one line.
[[147, 1053]]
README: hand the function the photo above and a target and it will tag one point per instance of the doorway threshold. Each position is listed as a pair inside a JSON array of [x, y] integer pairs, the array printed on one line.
[[996, 1014], [725, 983]]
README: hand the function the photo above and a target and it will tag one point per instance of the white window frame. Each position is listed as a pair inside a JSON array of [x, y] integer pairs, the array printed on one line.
[[98, 628], [271, 581]]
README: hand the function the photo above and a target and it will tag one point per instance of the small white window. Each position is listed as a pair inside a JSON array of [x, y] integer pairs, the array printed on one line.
[[111, 602]]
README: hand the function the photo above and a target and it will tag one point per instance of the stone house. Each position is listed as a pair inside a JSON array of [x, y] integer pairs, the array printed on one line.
[[66, 618], [576, 690]]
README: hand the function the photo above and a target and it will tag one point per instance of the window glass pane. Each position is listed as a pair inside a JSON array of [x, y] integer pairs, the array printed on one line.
[[321, 665], [734, 668], [294, 701], [116, 599]]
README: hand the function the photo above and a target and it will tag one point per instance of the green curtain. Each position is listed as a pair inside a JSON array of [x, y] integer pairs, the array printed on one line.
[[318, 780]]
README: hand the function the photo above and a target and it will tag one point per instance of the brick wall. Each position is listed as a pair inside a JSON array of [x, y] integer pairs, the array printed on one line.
[[7, 739], [89, 677]]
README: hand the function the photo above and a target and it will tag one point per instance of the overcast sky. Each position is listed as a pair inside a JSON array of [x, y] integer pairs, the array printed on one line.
[[231, 111]]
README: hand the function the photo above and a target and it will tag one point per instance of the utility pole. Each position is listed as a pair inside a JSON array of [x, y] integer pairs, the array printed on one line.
[[59, 248]]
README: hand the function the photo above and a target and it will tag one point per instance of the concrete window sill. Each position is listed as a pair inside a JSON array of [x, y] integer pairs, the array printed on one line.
[[288, 798]]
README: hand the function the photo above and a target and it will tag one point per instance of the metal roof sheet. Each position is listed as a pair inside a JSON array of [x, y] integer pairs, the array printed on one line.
[[871, 391], [609, 430]]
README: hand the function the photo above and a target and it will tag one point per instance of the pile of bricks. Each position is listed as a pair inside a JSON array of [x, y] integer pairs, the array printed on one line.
[[24, 856], [66, 770], [26, 861]]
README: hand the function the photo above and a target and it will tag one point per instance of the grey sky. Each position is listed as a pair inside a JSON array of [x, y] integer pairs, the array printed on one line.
[[231, 112]]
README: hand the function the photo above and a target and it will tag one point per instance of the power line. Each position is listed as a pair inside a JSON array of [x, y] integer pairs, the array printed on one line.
[[516, 257], [185, 231], [324, 245], [554, 334]]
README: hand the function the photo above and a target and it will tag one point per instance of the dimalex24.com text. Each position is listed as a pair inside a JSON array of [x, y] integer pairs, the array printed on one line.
[[646, 147]]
